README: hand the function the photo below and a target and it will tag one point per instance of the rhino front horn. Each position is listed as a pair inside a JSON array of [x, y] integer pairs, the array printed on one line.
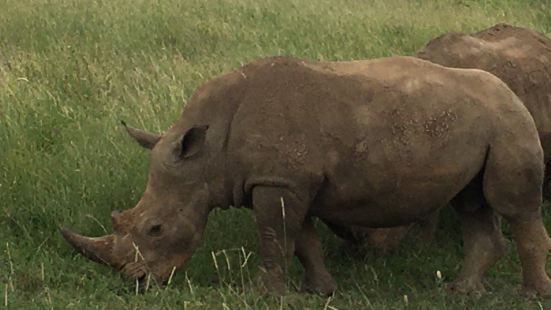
[[97, 249]]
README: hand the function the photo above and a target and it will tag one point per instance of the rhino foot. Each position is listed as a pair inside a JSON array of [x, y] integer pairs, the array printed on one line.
[[467, 286], [271, 283], [542, 289], [322, 284]]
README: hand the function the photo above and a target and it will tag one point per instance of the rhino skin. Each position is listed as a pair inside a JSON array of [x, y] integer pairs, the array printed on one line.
[[518, 56], [375, 143]]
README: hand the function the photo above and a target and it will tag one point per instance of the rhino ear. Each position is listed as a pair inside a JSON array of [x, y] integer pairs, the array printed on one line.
[[144, 138], [192, 142]]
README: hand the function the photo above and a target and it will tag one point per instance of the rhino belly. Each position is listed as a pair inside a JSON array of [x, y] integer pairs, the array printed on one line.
[[386, 195]]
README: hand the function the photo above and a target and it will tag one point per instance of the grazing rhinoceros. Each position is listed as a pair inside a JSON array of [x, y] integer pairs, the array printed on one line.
[[518, 56], [374, 143]]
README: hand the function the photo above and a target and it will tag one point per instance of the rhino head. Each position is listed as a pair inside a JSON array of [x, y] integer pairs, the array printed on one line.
[[163, 230]]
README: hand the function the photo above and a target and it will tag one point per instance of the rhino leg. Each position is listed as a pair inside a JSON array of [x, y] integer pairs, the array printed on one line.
[[533, 244], [279, 215], [512, 187], [483, 243], [310, 253]]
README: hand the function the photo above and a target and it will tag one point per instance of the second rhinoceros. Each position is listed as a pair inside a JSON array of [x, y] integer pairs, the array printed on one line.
[[518, 56], [374, 143]]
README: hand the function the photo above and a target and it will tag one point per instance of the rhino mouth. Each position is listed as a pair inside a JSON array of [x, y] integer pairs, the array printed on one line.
[[135, 270], [138, 271]]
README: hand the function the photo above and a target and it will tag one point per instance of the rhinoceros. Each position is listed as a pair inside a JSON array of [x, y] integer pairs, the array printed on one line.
[[518, 56], [375, 143]]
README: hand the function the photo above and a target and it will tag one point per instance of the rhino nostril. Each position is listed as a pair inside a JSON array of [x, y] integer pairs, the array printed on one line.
[[155, 230], [134, 270]]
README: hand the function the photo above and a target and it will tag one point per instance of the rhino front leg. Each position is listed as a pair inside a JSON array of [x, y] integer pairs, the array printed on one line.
[[310, 253], [279, 214]]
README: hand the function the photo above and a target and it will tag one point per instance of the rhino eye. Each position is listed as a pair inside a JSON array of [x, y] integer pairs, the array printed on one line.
[[155, 230]]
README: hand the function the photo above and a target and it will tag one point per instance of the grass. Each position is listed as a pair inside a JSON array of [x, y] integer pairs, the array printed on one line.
[[71, 70]]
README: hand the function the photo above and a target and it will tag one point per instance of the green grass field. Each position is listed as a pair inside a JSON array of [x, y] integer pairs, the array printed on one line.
[[71, 70]]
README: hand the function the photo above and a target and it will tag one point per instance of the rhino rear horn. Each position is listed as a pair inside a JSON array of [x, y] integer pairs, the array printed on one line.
[[144, 138], [98, 249]]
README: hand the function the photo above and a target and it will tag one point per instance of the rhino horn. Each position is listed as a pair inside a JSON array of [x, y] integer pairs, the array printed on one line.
[[144, 138], [97, 249]]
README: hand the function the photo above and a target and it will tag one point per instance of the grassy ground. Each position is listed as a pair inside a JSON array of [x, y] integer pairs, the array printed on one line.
[[70, 70]]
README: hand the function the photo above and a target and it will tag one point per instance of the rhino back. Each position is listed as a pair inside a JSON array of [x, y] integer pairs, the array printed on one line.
[[368, 132], [520, 57]]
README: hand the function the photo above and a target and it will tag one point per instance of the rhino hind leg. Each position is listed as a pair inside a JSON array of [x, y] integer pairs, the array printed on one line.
[[309, 251], [512, 187], [532, 245], [483, 242]]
